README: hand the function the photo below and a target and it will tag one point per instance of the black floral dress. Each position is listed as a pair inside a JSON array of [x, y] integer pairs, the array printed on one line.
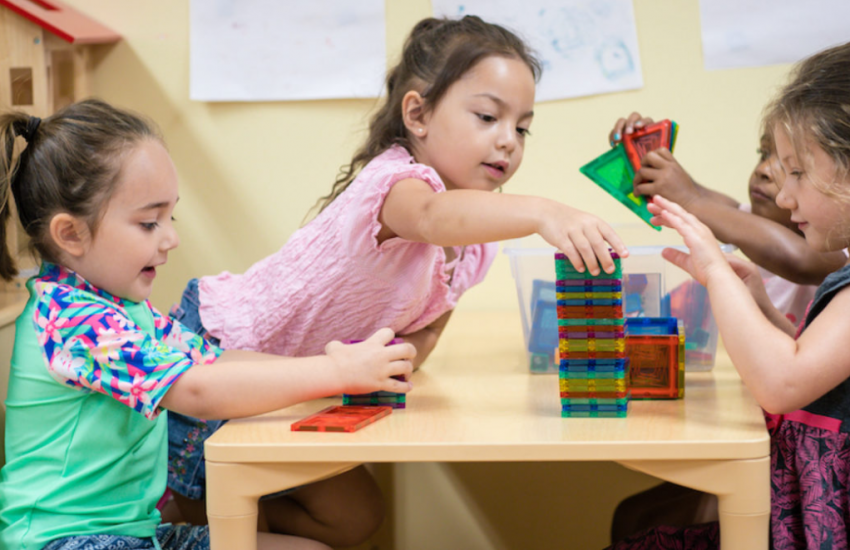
[[810, 470]]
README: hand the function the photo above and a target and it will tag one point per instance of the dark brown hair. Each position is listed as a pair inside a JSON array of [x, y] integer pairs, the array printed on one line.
[[70, 164], [815, 106], [436, 54]]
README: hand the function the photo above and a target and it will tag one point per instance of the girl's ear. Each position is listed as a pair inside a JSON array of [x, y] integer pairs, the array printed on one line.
[[413, 113], [69, 234]]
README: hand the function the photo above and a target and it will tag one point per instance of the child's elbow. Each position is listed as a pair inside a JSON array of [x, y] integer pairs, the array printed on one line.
[[780, 401], [189, 396], [773, 408]]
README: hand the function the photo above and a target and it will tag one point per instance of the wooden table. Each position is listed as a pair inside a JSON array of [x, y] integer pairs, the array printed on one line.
[[474, 400]]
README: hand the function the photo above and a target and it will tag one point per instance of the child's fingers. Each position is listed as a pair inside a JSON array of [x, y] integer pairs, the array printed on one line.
[[588, 253], [677, 257], [614, 240], [573, 256], [402, 369], [648, 174], [674, 216], [654, 159], [603, 256], [658, 212], [382, 336], [401, 352], [680, 219], [331, 346], [664, 153], [616, 135], [636, 121], [670, 206]]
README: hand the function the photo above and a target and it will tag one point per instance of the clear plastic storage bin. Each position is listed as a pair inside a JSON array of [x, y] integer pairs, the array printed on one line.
[[652, 287]]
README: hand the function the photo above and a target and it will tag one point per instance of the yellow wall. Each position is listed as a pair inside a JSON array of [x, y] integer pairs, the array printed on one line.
[[250, 171]]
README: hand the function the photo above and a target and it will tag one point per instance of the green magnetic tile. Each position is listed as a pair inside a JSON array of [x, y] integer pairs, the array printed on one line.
[[613, 172], [594, 414], [566, 345], [674, 133], [563, 272], [594, 401]]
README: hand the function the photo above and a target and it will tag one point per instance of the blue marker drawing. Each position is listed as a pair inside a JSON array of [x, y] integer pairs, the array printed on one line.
[[585, 46], [614, 59]]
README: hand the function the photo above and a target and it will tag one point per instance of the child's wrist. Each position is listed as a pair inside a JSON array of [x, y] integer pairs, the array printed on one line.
[[720, 275], [334, 375]]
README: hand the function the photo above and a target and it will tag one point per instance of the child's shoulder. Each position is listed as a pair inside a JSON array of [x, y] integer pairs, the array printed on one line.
[[395, 164]]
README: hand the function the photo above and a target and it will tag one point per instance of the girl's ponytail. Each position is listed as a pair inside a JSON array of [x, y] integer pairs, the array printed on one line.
[[12, 125]]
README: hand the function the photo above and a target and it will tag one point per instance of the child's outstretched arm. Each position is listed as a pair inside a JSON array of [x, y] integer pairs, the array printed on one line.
[[673, 182], [766, 242], [243, 383], [413, 211], [783, 374]]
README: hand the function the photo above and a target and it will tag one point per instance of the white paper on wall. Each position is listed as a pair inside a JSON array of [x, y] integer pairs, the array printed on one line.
[[266, 50], [586, 46], [751, 33]]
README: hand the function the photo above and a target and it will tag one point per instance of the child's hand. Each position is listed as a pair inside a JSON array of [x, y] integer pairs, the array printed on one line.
[[370, 365], [627, 126], [661, 174], [749, 273], [582, 237], [705, 255]]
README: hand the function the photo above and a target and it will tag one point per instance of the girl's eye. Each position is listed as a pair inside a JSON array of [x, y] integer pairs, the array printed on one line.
[[486, 118], [523, 132], [763, 154], [149, 226]]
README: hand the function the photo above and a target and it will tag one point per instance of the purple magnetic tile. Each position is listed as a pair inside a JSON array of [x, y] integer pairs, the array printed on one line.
[[588, 282], [562, 256]]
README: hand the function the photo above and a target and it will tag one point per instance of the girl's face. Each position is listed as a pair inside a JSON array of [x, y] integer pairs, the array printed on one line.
[[764, 186], [824, 220], [475, 136], [136, 230]]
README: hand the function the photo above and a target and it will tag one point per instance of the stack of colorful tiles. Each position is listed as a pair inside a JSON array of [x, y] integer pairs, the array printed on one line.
[[591, 341], [377, 398], [655, 347]]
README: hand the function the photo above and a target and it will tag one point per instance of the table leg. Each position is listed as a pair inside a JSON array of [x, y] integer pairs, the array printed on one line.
[[742, 488], [234, 489]]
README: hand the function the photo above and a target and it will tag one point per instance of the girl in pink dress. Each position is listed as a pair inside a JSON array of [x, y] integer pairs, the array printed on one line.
[[801, 380], [408, 227]]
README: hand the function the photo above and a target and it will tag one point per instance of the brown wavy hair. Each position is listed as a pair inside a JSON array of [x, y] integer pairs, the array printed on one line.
[[71, 164], [436, 54]]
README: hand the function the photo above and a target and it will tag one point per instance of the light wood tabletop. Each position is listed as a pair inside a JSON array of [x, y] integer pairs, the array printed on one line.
[[475, 400]]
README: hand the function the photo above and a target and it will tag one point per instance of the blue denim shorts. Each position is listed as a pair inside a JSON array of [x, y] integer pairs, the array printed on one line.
[[168, 537], [187, 473], [186, 435]]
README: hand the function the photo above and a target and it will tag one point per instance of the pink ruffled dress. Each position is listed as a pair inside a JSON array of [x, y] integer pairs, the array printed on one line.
[[333, 281]]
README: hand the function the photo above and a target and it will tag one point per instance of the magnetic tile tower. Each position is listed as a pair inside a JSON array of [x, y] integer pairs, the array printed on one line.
[[593, 369]]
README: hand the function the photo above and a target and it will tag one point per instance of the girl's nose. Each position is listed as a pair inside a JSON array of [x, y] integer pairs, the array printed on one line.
[[171, 239], [784, 199], [507, 138], [765, 170]]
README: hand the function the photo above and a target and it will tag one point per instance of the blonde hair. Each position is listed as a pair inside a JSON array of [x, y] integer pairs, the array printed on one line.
[[814, 107]]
